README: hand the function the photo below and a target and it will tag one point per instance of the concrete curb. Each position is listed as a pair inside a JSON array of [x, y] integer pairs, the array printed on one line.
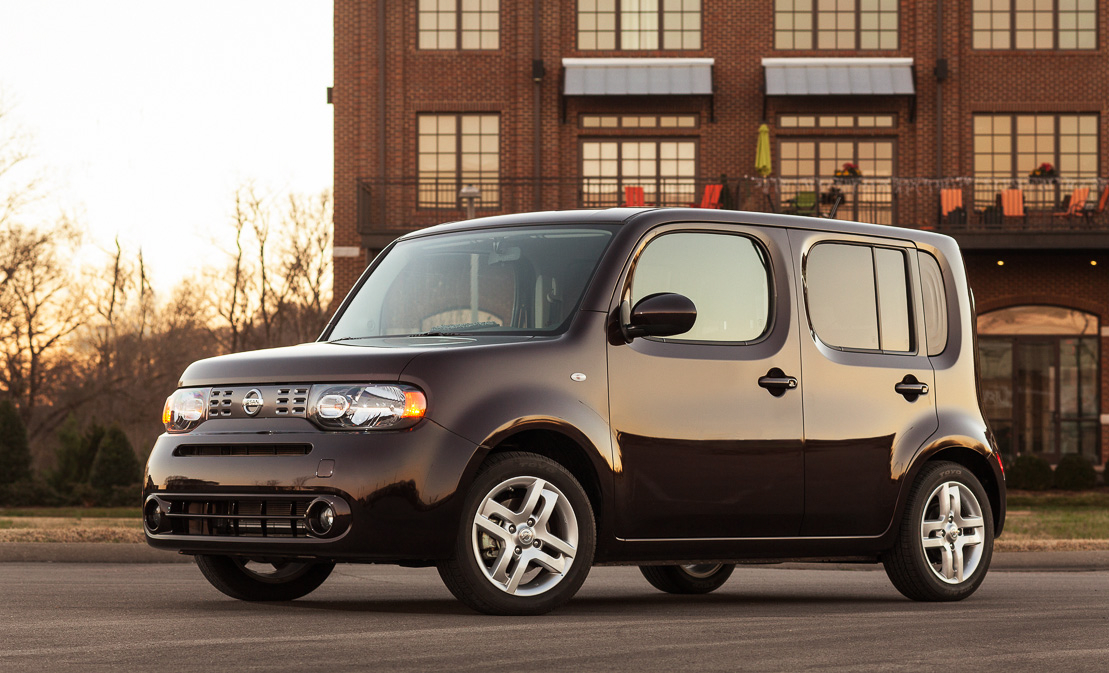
[[107, 552]]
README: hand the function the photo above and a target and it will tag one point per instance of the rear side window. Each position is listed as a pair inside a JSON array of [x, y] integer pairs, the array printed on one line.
[[934, 300], [726, 276], [858, 297]]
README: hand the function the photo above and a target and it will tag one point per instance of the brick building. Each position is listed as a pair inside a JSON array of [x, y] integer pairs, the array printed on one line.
[[946, 108]]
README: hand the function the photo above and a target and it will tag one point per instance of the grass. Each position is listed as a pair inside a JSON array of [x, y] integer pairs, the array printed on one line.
[[1057, 515], [73, 512]]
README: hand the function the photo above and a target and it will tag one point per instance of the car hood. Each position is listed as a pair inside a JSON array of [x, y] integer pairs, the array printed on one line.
[[371, 359]]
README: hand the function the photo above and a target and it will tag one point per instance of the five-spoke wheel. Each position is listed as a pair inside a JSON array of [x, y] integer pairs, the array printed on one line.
[[945, 541], [526, 540]]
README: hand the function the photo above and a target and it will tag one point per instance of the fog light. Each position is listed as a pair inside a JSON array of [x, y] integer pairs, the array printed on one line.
[[326, 519], [321, 518], [153, 516]]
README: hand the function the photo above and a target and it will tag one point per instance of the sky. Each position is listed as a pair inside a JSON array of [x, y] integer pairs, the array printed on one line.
[[145, 116]]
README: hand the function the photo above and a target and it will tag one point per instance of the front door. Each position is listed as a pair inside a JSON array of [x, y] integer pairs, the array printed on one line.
[[867, 381], [704, 449]]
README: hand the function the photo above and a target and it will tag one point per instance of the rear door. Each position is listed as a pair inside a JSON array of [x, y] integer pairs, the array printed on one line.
[[867, 384]]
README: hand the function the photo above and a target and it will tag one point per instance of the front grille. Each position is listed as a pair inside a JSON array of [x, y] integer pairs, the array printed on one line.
[[238, 516], [291, 400], [219, 403], [243, 450]]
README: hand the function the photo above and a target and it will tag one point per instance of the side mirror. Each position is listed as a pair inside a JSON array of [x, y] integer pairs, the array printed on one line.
[[662, 314]]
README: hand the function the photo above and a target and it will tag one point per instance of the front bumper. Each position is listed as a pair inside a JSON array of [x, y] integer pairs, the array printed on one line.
[[245, 492]]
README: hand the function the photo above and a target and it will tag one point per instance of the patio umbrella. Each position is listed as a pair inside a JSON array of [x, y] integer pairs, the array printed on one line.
[[762, 152]]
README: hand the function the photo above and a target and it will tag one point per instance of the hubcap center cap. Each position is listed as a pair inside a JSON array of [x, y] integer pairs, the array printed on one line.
[[951, 532], [526, 536]]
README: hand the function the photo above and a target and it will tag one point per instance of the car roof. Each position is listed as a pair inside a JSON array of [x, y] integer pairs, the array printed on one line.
[[646, 217]]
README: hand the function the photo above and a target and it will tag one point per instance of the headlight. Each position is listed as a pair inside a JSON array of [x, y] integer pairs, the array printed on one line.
[[185, 409], [367, 406]]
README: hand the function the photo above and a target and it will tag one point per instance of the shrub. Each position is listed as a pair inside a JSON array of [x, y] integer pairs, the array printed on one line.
[[1030, 473], [115, 463], [76, 453], [15, 454], [29, 493], [1075, 473]]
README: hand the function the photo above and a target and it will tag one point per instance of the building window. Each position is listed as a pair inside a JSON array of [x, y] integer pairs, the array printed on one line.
[[808, 168], [836, 24], [792, 121], [1040, 380], [665, 169], [459, 24], [1008, 147], [639, 24], [456, 150], [1035, 24], [638, 121]]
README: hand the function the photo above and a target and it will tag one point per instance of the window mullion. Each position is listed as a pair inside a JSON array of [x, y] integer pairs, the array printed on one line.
[[619, 38], [859, 31]]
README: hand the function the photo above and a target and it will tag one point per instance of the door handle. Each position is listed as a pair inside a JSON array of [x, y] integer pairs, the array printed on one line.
[[776, 382], [911, 388]]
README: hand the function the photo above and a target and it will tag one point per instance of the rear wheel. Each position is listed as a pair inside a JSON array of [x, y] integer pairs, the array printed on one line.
[[262, 581], [945, 542], [697, 578], [526, 540]]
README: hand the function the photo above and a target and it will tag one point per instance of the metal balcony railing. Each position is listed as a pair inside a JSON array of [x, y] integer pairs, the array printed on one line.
[[388, 206]]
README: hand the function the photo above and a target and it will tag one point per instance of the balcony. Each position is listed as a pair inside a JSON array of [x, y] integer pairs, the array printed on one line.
[[388, 208]]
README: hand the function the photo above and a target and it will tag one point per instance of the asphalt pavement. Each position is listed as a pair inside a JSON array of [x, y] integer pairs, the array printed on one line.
[[165, 617]]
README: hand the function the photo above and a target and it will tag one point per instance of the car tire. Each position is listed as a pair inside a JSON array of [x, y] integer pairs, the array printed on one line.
[[272, 581], [945, 541], [526, 538], [697, 578]]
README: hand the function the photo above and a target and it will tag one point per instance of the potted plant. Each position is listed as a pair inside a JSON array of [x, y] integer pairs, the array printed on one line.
[[1045, 172], [849, 174]]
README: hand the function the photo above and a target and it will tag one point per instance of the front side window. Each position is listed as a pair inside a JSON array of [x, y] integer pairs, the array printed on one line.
[[459, 24], [1010, 147], [858, 297], [639, 24], [455, 150], [523, 280], [836, 24], [726, 276], [665, 169], [1035, 24]]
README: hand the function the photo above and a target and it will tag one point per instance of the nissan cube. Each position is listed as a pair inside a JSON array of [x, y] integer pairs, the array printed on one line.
[[515, 399]]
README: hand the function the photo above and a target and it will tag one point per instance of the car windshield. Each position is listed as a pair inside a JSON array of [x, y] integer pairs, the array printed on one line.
[[521, 280]]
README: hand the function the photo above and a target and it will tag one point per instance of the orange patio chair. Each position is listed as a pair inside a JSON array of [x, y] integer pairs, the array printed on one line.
[[711, 197], [1090, 211], [1077, 203], [1012, 204], [951, 206], [633, 197]]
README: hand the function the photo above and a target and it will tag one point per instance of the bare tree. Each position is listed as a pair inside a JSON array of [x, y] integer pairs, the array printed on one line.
[[42, 307]]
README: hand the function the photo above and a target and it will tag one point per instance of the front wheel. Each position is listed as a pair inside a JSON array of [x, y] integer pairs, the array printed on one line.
[[526, 539], [696, 578], [262, 581], [945, 542]]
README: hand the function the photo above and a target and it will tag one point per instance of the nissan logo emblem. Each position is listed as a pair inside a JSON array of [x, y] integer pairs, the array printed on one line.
[[252, 403]]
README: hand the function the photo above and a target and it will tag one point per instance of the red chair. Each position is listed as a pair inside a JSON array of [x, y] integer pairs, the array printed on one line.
[[711, 197], [1090, 211], [633, 197]]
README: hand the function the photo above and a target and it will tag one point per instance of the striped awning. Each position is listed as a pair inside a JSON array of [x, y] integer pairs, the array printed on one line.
[[637, 76], [839, 76]]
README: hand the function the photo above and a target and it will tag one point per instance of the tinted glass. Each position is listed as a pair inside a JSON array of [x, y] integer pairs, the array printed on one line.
[[726, 277], [518, 280], [893, 299], [839, 287], [935, 303]]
